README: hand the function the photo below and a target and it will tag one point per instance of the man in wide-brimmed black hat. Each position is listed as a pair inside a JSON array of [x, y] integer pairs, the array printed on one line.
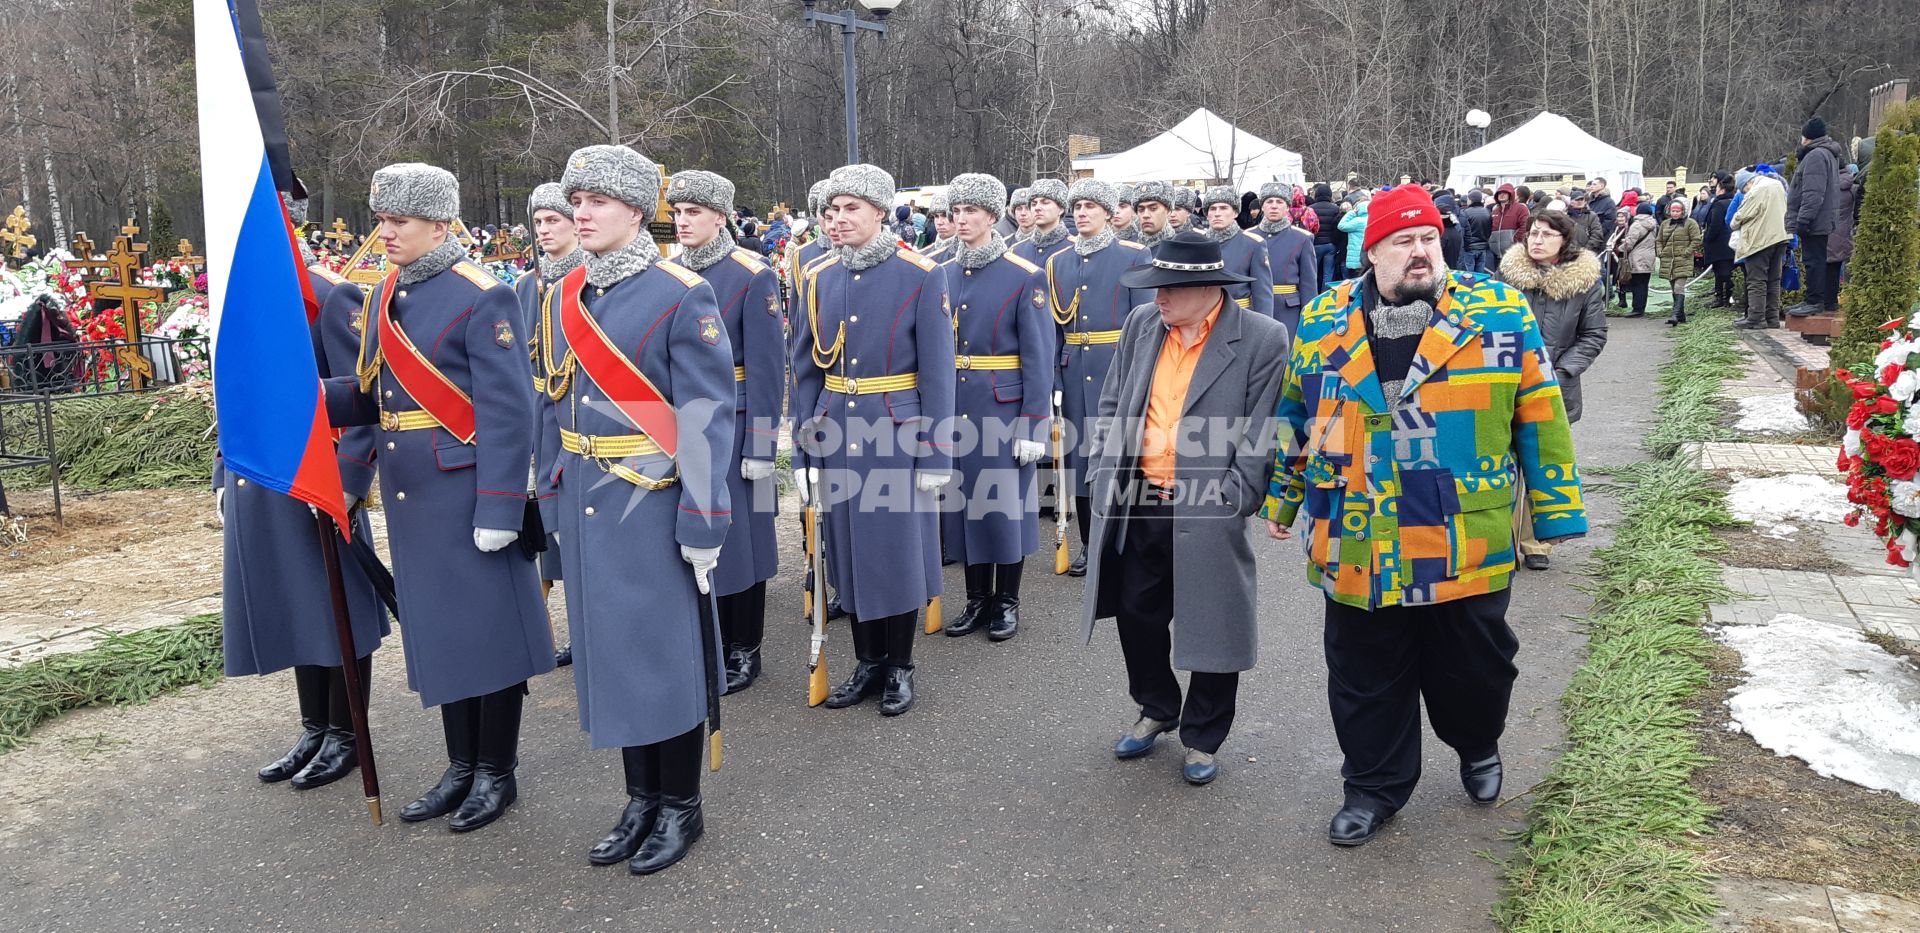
[[1180, 454]]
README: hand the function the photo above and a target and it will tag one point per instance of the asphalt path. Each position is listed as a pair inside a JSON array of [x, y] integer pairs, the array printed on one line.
[[996, 804]]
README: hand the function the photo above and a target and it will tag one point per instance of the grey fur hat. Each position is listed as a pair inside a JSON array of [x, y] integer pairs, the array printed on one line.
[[982, 191], [1126, 194], [1097, 191], [1187, 198], [1053, 189], [296, 208], [938, 205], [703, 188], [1276, 189], [548, 197], [869, 183], [1154, 191], [415, 189], [617, 172], [816, 203], [1219, 194], [1019, 196]]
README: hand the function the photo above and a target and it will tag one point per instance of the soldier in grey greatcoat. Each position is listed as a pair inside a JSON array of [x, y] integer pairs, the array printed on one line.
[[1290, 255], [559, 252], [1021, 214], [1245, 252], [277, 610], [1153, 208], [749, 298], [1047, 205], [636, 443], [1126, 225], [1089, 305], [873, 376], [813, 249], [1003, 346], [443, 371], [940, 214]]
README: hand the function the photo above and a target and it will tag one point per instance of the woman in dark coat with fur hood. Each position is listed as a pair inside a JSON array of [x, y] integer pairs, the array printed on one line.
[[1568, 295]]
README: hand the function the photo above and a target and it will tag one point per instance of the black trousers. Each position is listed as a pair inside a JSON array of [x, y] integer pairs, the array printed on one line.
[[1723, 279], [1145, 573], [1813, 271], [1456, 655], [743, 617]]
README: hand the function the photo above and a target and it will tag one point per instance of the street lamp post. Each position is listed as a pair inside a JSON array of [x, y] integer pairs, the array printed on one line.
[[850, 27], [1479, 120]]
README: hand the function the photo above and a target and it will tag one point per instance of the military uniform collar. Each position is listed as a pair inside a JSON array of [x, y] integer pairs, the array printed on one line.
[[700, 258], [1087, 246], [878, 250], [975, 258], [433, 262], [553, 270], [608, 269]]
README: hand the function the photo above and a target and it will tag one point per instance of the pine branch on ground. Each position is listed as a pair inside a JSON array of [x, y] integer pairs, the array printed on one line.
[[124, 669]]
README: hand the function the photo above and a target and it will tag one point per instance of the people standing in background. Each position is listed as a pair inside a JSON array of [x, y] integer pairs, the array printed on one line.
[[1509, 219], [1476, 227], [1637, 253], [1329, 243], [1679, 238], [1717, 240], [1761, 222], [1354, 225], [1813, 201]]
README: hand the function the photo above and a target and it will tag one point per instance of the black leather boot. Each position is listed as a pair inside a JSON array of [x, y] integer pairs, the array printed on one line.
[[310, 685], [897, 696], [869, 650], [742, 626], [1083, 517], [643, 806], [1004, 619], [979, 594], [338, 754], [494, 786], [681, 822], [460, 721]]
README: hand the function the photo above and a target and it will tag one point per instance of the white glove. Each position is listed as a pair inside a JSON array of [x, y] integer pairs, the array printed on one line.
[[803, 482], [702, 559], [493, 539], [751, 470], [1025, 452], [220, 506], [929, 482]]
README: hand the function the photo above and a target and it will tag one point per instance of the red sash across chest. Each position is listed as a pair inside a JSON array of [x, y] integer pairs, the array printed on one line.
[[611, 370], [427, 385]]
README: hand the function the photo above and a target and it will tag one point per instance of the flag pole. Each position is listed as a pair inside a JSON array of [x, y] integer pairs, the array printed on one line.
[[357, 695]]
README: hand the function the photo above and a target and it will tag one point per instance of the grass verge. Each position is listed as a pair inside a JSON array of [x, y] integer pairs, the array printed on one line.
[[1607, 848], [124, 669]]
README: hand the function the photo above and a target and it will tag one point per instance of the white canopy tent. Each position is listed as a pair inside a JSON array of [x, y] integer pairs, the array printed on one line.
[[1548, 145], [1202, 147]]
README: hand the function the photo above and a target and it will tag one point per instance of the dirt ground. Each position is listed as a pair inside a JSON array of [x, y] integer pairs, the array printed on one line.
[[107, 522], [1778, 819], [1749, 548]]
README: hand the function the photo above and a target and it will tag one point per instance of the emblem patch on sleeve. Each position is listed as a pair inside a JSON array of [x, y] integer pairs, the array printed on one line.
[[773, 304], [503, 334], [1039, 298], [709, 328]]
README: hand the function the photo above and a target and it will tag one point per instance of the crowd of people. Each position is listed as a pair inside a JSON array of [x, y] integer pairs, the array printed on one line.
[[1398, 367]]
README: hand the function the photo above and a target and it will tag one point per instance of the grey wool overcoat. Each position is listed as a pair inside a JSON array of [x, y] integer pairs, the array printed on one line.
[[1220, 476]]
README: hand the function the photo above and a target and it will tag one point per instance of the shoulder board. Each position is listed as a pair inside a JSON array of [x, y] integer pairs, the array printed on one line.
[[749, 260], [481, 278], [327, 274], [1128, 244], [1024, 265], [1257, 238], [687, 276], [925, 264], [820, 264], [818, 261]]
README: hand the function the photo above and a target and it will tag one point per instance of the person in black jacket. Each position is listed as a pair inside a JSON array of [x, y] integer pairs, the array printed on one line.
[[1329, 244], [1452, 236], [750, 238], [1601, 203], [1476, 227], [1717, 249]]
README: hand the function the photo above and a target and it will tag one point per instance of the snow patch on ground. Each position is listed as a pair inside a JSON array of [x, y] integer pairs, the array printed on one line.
[[1822, 693], [1771, 414], [1770, 502]]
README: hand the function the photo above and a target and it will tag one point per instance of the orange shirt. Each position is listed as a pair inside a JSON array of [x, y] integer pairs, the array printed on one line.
[[1172, 373]]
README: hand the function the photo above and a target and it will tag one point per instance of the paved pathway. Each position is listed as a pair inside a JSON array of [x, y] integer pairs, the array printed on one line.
[[995, 805]]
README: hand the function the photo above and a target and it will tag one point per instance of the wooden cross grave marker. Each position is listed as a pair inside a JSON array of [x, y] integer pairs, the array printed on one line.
[[125, 261], [90, 269], [183, 254], [338, 236], [15, 236]]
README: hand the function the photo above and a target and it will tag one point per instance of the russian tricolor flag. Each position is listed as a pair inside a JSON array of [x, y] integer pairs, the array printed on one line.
[[271, 411]]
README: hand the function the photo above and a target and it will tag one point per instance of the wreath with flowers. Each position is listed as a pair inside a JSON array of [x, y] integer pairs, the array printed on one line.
[[1879, 454]]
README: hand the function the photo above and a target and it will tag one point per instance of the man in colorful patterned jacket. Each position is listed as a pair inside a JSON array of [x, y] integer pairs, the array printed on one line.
[[1409, 502]]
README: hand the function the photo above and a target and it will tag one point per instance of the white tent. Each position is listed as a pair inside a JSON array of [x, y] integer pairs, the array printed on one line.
[[1202, 148], [1547, 145]]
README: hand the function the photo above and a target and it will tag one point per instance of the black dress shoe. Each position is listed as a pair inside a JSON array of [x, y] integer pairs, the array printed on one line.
[[743, 668], [336, 759], [1482, 778], [489, 799], [834, 611], [678, 827], [494, 785], [310, 684], [563, 656], [1355, 826], [970, 619], [865, 681], [312, 736], [1537, 561], [636, 823], [1079, 566], [1004, 623], [442, 798], [897, 698]]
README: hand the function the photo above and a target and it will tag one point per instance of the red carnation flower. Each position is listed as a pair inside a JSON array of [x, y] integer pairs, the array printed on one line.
[[1852, 519], [1857, 416], [1900, 458], [1890, 372], [1886, 405], [1865, 390]]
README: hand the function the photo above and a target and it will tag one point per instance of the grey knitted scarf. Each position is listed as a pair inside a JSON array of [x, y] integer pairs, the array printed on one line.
[[553, 270], [1045, 238], [1394, 322], [878, 250], [971, 257], [433, 262], [1087, 246], [700, 258], [608, 269]]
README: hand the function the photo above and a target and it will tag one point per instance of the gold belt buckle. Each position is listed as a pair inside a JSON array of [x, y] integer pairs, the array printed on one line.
[[586, 447], [389, 420], [853, 386], [964, 361]]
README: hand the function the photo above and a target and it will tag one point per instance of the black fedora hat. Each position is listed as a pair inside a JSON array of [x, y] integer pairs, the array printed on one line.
[[1186, 261]]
